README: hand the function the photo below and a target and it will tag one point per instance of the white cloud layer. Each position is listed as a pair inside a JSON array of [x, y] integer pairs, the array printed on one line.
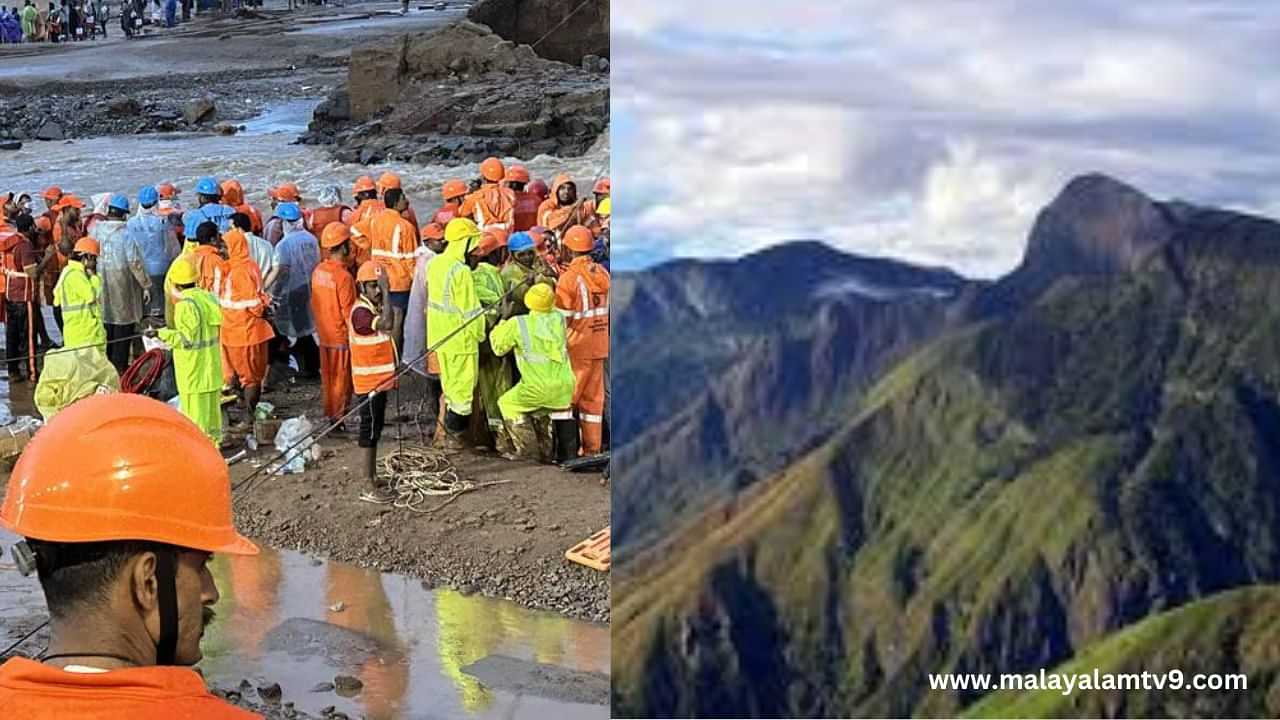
[[932, 130]]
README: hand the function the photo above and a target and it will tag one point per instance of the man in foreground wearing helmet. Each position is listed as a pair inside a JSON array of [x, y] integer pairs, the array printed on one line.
[[197, 350], [546, 377], [451, 303], [126, 287], [583, 297], [373, 362], [121, 551], [78, 294], [493, 205]]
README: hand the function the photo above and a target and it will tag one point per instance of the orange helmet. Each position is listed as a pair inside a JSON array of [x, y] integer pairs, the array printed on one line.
[[87, 246], [104, 469], [232, 192], [52, 193], [492, 239], [335, 233], [387, 181], [492, 170], [453, 189], [517, 173], [579, 239], [287, 192], [68, 201], [369, 271], [433, 231], [167, 190], [601, 187], [364, 183]]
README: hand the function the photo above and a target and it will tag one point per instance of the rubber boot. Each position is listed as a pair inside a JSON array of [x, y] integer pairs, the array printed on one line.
[[546, 438], [504, 441], [566, 439], [523, 438], [454, 426]]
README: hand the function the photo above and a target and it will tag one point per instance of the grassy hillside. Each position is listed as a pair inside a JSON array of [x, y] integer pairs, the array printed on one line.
[[1003, 498]]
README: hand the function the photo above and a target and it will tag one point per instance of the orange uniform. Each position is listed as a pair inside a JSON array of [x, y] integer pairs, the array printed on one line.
[[525, 211], [582, 294], [559, 219], [373, 354], [245, 330], [34, 691], [233, 196], [492, 206], [321, 217], [393, 242], [333, 294], [447, 212]]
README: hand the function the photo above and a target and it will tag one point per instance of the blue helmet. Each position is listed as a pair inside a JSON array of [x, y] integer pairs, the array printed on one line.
[[148, 196], [519, 241], [289, 211], [119, 201], [207, 186]]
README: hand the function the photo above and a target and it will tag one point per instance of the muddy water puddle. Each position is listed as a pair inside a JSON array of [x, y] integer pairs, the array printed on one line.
[[288, 619]]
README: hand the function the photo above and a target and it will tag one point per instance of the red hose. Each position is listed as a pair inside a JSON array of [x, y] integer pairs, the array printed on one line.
[[139, 376]]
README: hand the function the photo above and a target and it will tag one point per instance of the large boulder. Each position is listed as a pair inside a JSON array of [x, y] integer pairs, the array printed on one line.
[[568, 30], [199, 110]]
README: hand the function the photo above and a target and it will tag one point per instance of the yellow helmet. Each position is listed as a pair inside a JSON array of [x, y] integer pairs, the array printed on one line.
[[603, 210], [540, 298], [183, 272], [461, 229]]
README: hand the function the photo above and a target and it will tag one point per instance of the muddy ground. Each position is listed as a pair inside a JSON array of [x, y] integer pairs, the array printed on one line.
[[242, 63], [506, 541]]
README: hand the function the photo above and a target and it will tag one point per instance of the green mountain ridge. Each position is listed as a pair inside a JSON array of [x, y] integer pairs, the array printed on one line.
[[1005, 497]]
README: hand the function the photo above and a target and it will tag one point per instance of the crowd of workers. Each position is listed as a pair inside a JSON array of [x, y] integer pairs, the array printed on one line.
[[507, 282], [79, 20]]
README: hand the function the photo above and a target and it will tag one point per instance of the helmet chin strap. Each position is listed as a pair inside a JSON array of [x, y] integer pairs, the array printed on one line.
[[167, 587]]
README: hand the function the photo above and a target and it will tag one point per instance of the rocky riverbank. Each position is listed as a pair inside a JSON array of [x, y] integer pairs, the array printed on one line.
[[184, 103], [460, 94]]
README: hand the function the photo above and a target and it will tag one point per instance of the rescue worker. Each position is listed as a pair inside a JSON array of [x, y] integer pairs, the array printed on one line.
[[524, 268], [169, 203], [204, 253], [233, 197], [524, 212], [197, 354], [78, 295], [126, 287], [365, 194], [539, 188], [159, 243], [209, 208], [453, 192], [331, 210], [582, 294], [600, 191], [373, 362], [245, 329], [564, 208], [51, 195], [296, 258], [493, 205], [18, 265], [284, 193], [493, 372], [388, 181], [393, 241], [546, 377], [333, 294], [415, 324], [259, 249], [451, 304], [547, 248], [121, 551]]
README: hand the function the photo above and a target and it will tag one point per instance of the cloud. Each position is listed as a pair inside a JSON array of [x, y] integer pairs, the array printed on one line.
[[932, 130]]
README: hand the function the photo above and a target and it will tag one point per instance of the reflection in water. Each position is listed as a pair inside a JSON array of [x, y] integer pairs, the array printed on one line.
[[407, 645]]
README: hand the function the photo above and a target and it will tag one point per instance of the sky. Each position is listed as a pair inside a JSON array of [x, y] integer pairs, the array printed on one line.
[[931, 131]]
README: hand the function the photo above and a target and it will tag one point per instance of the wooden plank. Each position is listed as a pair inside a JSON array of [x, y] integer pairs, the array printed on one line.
[[593, 552]]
